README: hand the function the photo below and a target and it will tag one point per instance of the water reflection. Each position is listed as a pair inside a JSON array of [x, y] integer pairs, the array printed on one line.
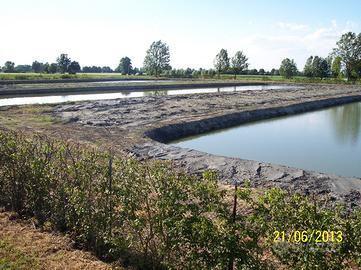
[[129, 94], [327, 141], [346, 121], [156, 93]]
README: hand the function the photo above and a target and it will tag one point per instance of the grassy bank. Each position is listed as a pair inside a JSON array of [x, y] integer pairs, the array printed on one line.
[[57, 76], [103, 76], [296, 79], [152, 215]]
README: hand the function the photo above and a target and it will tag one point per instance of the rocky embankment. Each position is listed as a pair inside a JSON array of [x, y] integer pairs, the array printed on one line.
[[141, 124]]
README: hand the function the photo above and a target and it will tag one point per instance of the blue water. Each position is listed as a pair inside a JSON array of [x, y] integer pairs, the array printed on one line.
[[327, 141], [46, 99]]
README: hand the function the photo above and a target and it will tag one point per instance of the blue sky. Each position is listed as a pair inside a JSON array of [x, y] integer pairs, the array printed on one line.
[[101, 32]]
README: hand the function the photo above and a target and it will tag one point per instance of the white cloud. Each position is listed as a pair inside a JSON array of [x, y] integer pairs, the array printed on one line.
[[292, 26], [267, 51], [103, 43]]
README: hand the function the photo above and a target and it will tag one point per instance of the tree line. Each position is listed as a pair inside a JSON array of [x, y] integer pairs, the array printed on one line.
[[343, 61], [63, 65]]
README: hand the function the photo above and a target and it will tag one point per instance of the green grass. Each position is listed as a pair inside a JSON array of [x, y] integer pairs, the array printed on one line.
[[44, 119], [44, 76], [13, 259], [296, 79], [263, 78]]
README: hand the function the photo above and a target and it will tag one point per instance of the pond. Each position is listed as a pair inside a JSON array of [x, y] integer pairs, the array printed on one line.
[[327, 140], [44, 99]]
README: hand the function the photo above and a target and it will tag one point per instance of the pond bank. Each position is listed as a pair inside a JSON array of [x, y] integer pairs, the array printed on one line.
[[131, 125], [145, 122]]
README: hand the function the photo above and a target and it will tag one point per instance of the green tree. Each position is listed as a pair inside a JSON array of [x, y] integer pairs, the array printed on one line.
[[336, 67], [307, 71], [74, 67], [288, 68], [9, 67], [349, 49], [239, 63], [317, 67], [125, 66], [157, 58], [53, 68], [275, 72], [37, 67], [106, 69], [221, 62], [23, 68], [63, 63], [252, 72], [320, 67], [46, 67]]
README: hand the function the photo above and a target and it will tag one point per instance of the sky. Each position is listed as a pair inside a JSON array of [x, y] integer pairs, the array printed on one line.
[[100, 32]]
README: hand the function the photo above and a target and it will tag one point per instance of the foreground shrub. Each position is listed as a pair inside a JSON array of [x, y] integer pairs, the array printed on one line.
[[152, 216], [316, 236]]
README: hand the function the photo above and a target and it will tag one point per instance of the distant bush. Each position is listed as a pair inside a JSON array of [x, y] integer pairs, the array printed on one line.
[[66, 76], [20, 77], [154, 216]]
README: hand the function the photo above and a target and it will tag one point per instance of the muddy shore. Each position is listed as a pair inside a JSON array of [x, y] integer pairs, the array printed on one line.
[[139, 125]]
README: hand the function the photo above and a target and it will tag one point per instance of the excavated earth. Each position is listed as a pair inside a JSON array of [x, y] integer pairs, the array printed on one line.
[[143, 125]]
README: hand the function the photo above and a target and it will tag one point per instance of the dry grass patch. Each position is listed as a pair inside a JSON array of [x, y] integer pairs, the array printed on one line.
[[24, 247]]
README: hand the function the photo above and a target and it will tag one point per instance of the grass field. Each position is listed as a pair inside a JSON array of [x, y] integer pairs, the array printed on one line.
[[296, 79], [44, 76]]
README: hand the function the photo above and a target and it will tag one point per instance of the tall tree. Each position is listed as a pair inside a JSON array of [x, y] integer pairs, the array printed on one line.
[[239, 63], [37, 67], [9, 67], [288, 68], [74, 67], [349, 49], [53, 68], [221, 62], [46, 67], [275, 72], [157, 58], [63, 63], [320, 67], [317, 67], [125, 66], [307, 71], [336, 67]]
